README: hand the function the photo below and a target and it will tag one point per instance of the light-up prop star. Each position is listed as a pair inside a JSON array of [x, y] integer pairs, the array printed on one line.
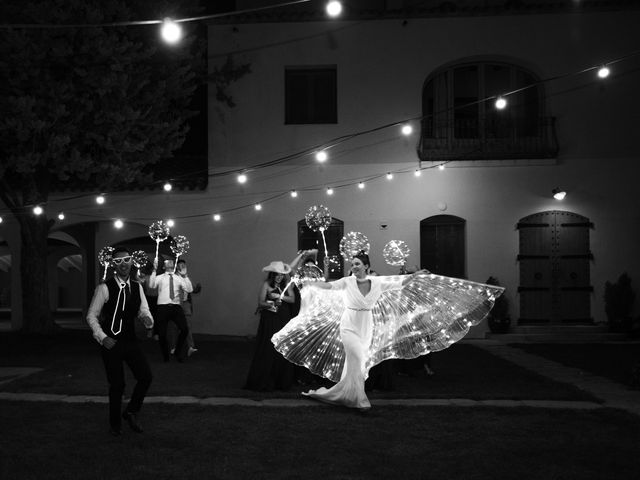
[[158, 231], [352, 244], [395, 253], [179, 246], [140, 258], [318, 218], [105, 255]]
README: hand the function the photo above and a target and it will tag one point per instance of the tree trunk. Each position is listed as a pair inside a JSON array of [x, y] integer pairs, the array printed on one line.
[[36, 313]]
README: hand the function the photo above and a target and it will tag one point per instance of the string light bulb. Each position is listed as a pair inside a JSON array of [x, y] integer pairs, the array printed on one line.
[[216, 217], [361, 185], [322, 156], [407, 130], [501, 103], [100, 199], [167, 187], [170, 223], [118, 223], [258, 207], [0, 219], [294, 194], [61, 216], [242, 178], [389, 176], [334, 8], [418, 172], [171, 32], [37, 210], [603, 71], [329, 191], [441, 166]]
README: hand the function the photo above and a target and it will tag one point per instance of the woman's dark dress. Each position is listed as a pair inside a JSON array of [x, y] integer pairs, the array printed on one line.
[[269, 370]]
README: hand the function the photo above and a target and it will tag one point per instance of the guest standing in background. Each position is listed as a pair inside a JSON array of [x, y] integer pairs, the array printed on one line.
[[169, 285], [269, 370]]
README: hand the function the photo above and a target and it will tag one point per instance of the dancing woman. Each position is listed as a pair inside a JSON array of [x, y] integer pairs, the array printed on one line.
[[347, 326]]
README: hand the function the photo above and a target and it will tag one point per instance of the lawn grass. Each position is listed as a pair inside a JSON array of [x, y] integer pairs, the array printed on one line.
[[614, 361], [62, 441], [72, 366]]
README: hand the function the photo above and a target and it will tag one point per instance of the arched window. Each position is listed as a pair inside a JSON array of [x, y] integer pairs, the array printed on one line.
[[308, 239], [442, 245], [459, 123]]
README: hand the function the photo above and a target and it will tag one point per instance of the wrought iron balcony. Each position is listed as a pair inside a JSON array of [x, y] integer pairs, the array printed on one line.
[[488, 139]]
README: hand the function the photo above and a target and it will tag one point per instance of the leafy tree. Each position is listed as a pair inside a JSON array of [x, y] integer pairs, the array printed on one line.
[[89, 106]]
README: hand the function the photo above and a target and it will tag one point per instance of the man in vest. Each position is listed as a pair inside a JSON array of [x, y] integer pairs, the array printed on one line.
[[115, 306]]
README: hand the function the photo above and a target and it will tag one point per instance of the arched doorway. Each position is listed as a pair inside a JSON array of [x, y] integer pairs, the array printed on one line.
[[555, 260]]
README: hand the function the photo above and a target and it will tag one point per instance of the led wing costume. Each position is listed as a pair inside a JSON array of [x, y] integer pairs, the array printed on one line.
[[340, 325]]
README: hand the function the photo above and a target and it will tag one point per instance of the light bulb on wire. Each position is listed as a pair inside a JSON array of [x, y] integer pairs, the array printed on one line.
[[322, 156], [100, 199], [603, 71], [171, 32], [118, 224], [441, 166], [258, 207], [389, 176], [334, 8], [329, 191], [170, 223], [501, 103], [216, 217], [242, 178], [361, 185], [407, 130], [418, 172], [37, 210], [294, 194], [61, 216], [167, 187]]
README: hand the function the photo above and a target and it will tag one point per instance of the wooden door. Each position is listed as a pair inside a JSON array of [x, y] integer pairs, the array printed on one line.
[[554, 268], [442, 245], [308, 239]]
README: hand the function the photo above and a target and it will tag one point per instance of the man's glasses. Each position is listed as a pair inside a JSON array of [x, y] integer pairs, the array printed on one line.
[[119, 260]]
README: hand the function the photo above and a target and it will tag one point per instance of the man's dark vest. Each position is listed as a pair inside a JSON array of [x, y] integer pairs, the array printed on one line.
[[128, 315]]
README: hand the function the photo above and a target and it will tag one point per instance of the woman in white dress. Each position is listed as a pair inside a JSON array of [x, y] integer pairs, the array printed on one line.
[[346, 327], [360, 292]]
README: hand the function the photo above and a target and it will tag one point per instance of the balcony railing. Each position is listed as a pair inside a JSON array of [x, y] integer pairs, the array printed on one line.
[[488, 139]]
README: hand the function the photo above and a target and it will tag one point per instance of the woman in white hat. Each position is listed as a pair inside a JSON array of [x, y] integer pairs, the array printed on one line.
[[269, 370]]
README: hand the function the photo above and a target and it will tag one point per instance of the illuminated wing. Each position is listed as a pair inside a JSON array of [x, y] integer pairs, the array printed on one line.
[[312, 339], [428, 314]]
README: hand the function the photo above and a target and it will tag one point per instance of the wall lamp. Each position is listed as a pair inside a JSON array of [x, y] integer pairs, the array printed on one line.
[[558, 194]]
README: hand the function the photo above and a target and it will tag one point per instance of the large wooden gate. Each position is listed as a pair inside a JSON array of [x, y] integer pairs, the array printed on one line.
[[555, 285]]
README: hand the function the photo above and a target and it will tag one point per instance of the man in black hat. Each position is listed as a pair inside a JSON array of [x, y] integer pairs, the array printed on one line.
[[115, 306]]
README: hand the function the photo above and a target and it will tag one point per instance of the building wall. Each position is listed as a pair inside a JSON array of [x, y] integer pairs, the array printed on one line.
[[382, 66]]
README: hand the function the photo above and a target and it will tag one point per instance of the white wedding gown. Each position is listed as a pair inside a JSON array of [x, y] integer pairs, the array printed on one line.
[[341, 333]]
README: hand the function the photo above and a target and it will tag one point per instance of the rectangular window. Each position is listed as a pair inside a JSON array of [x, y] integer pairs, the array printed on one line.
[[310, 95]]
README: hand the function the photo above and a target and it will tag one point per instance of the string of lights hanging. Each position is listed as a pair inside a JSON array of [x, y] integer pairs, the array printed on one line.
[[319, 152]]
